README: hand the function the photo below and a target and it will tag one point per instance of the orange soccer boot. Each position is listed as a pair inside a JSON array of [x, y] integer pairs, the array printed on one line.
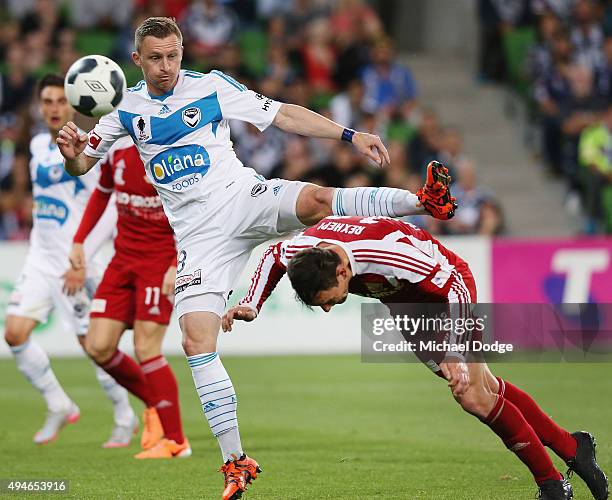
[[238, 475], [152, 430]]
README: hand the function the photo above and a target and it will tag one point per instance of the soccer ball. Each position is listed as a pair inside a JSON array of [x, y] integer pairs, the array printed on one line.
[[94, 85]]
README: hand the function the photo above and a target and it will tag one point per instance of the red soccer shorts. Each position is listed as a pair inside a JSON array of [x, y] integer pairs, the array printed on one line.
[[131, 290]]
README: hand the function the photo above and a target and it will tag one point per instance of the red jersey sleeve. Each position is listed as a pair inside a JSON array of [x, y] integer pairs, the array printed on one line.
[[269, 272], [97, 203]]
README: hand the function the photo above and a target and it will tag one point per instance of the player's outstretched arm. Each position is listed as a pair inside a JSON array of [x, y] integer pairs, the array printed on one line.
[[242, 313], [71, 144], [299, 120], [268, 273]]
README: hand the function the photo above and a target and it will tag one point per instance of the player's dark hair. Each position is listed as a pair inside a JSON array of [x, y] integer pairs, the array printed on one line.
[[158, 27], [50, 80], [311, 271]]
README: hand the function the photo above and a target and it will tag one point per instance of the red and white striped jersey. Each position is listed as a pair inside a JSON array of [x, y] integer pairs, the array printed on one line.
[[391, 260]]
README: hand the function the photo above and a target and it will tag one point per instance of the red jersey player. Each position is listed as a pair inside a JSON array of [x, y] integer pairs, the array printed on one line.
[[136, 292], [399, 264]]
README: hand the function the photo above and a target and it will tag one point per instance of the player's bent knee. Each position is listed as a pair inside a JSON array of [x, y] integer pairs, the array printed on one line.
[[18, 330], [14, 337], [100, 352], [314, 203], [477, 402]]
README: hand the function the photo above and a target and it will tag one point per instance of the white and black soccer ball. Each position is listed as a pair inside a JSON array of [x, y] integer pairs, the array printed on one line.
[[94, 85]]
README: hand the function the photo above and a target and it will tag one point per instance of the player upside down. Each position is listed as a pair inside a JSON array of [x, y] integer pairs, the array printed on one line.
[[399, 264], [135, 292], [218, 208]]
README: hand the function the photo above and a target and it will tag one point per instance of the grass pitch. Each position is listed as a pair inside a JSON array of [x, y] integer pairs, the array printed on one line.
[[325, 427]]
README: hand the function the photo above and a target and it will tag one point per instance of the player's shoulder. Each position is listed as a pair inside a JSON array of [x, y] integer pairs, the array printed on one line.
[[40, 142], [226, 80]]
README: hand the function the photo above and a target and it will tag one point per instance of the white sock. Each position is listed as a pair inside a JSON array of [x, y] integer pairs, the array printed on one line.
[[219, 401], [124, 414], [373, 201], [33, 362]]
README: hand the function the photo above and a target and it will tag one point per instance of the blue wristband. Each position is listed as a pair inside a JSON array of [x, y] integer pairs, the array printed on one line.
[[347, 134]]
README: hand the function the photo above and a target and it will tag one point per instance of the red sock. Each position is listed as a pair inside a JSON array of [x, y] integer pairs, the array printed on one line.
[[510, 425], [129, 374], [161, 379], [551, 435]]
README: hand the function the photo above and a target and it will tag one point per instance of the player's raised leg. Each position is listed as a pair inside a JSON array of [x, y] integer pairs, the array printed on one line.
[[148, 337], [101, 344], [33, 362], [577, 450], [316, 202], [215, 389], [482, 399]]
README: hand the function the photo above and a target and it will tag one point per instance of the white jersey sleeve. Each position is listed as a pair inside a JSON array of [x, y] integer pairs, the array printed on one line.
[[239, 103], [104, 134]]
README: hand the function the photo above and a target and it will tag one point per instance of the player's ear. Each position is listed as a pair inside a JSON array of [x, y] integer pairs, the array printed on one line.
[[136, 59]]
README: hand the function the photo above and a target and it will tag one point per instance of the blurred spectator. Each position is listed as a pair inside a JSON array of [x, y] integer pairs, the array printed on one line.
[[451, 149], [388, 84], [267, 9], [264, 151], [562, 9], [552, 90], [425, 145], [603, 73], [540, 58], [580, 111], [342, 165], [496, 18], [14, 181], [350, 16], [279, 67], [207, 27], [398, 172], [318, 56], [16, 84], [586, 35], [491, 220], [346, 106], [595, 154], [297, 160], [231, 63], [471, 199], [44, 19], [170, 8], [109, 14], [9, 34]]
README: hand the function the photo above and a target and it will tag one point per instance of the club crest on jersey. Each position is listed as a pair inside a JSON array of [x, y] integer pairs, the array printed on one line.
[[174, 163], [142, 128], [192, 116]]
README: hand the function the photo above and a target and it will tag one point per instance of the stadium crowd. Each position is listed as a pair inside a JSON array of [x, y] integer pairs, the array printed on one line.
[[558, 55], [330, 55]]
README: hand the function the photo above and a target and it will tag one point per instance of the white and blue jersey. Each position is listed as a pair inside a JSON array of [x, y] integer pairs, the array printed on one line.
[[183, 138], [59, 201]]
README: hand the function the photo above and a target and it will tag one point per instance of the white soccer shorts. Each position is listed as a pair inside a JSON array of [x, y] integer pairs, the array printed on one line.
[[36, 294], [248, 212]]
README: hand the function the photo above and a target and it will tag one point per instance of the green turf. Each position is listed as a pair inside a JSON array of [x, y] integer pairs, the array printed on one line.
[[321, 427]]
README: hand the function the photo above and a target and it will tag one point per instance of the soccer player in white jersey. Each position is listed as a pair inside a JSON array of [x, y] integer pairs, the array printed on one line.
[[48, 283], [218, 208]]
